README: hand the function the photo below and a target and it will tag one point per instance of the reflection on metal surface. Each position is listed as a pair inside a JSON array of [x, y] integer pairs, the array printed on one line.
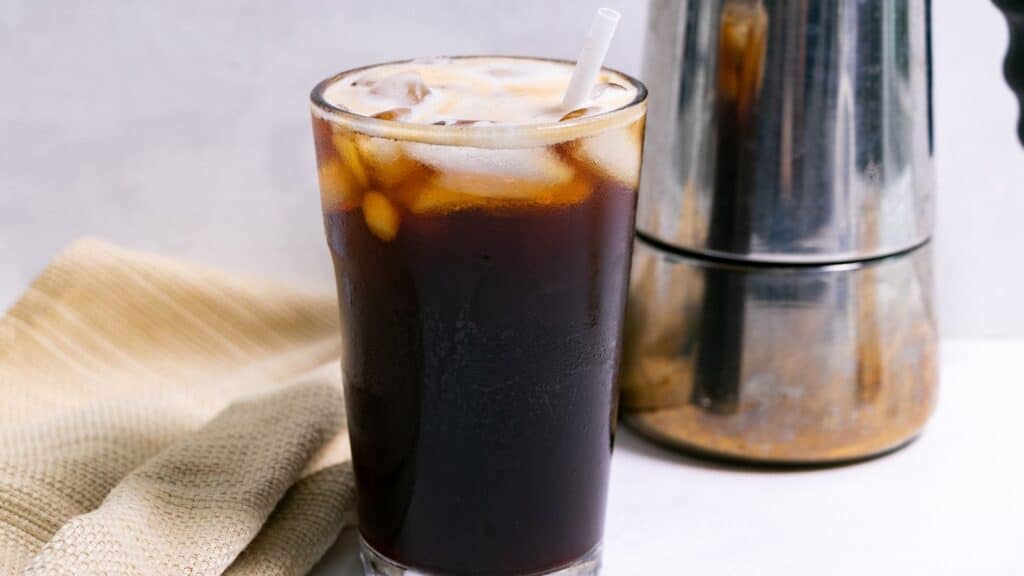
[[790, 364], [787, 130]]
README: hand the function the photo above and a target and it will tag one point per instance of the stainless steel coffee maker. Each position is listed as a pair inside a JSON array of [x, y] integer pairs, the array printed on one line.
[[781, 300]]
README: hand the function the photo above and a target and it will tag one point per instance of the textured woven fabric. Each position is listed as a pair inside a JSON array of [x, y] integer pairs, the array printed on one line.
[[163, 419]]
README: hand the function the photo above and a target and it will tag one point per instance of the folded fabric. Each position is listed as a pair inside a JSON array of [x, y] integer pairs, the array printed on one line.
[[160, 419]]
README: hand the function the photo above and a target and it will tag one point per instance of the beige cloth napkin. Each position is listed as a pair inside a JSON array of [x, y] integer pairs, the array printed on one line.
[[164, 419]]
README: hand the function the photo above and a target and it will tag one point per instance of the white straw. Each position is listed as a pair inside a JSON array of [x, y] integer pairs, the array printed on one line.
[[588, 65]]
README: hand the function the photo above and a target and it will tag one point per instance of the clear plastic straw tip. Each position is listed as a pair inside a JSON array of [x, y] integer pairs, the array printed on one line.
[[591, 58]]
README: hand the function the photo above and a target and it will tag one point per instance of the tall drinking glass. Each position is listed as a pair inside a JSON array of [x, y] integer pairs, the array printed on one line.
[[482, 272]]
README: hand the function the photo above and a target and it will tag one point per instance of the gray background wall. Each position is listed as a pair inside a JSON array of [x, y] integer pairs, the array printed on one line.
[[183, 127]]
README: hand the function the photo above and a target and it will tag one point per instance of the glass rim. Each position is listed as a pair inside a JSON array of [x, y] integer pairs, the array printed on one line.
[[487, 136]]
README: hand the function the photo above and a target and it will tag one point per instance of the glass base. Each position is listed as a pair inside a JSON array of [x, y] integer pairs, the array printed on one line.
[[375, 564]]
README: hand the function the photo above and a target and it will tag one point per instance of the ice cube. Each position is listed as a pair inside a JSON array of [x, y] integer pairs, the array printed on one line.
[[349, 154], [452, 192], [504, 71], [572, 192], [380, 215], [578, 113], [433, 198], [506, 192], [393, 114], [404, 88], [613, 154], [525, 166], [387, 163], [600, 88], [337, 191]]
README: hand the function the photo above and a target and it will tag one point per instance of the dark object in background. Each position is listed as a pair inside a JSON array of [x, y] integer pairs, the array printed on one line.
[[1013, 66]]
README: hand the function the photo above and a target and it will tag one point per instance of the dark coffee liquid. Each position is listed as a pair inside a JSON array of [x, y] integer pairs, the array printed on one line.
[[480, 364]]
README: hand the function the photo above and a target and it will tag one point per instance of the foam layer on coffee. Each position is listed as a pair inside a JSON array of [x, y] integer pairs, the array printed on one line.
[[473, 91]]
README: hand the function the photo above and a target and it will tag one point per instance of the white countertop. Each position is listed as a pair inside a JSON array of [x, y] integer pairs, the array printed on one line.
[[950, 503]]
